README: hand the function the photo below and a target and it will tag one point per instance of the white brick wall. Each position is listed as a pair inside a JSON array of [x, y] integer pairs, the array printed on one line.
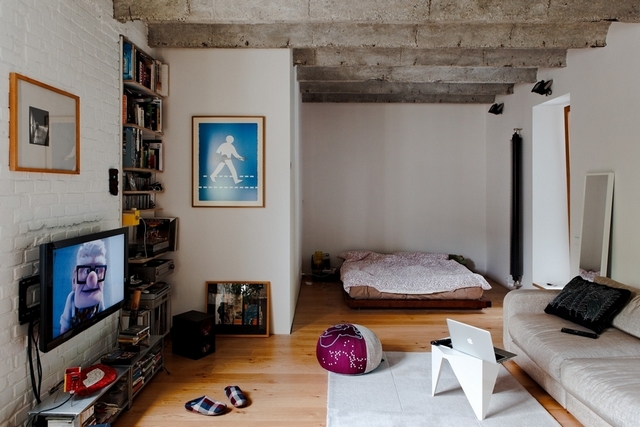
[[71, 45]]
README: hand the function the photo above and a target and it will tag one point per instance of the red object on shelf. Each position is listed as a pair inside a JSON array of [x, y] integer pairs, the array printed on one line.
[[94, 378]]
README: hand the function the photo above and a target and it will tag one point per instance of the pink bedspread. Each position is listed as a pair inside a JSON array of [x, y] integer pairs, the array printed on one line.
[[407, 272]]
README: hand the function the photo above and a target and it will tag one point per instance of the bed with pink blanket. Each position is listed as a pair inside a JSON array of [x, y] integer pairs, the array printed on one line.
[[410, 280]]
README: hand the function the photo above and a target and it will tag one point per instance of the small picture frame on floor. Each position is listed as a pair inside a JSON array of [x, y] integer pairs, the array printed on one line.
[[240, 308]]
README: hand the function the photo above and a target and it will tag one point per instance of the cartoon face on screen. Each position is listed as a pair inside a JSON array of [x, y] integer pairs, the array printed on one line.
[[87, 280]]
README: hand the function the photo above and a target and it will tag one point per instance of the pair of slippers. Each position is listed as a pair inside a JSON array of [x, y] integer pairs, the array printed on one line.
[[207, 406]]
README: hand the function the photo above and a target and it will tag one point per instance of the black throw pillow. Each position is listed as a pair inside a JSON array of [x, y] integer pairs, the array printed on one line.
[[588, 304]]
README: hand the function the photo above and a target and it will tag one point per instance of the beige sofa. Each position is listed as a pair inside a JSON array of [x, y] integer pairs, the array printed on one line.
[[596, 380]]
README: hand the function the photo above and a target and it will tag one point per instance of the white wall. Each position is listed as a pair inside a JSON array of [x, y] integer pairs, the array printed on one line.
[[296, 194], [231, 244], [394, 177], [71, 45], [605, 100]]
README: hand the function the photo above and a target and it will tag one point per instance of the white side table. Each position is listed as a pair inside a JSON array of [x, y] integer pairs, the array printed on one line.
[[477, 377]]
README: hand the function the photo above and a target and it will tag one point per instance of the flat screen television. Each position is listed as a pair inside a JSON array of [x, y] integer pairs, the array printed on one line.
[[82, 281]]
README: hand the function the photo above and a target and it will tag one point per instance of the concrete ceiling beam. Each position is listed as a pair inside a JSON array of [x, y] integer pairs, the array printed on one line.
[[433, 51], [386, 87], [422, 36], [398, 98], [419, 74], [267, 11], [455, 57]]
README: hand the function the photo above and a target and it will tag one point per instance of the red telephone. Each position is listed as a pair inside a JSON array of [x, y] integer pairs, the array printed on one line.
[[86, 381]]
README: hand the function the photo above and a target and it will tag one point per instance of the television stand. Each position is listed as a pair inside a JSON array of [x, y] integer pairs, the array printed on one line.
[[77, 411]]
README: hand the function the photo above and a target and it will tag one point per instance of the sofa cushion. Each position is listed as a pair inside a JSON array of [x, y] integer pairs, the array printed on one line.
[[540, 337], [588, 304], [628, 319], [609, 387]]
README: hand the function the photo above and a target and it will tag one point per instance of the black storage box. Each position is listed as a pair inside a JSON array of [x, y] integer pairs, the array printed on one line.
[[193, 334]]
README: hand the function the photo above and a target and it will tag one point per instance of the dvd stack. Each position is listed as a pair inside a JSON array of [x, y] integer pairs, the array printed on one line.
[[137, 377], [134, 334], [144, 369]]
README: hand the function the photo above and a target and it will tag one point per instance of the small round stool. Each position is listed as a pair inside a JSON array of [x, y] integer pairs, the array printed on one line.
[[349, 349]]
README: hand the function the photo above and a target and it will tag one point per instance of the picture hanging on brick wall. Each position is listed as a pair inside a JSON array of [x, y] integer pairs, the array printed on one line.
[[44, 129], [228, 161]]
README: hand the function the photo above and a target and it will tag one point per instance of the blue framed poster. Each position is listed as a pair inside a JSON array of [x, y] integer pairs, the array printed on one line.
[[228, 161]]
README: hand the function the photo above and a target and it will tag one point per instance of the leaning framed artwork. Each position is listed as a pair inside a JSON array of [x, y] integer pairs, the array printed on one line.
[[240, 308], [228, 161], [44, 127]]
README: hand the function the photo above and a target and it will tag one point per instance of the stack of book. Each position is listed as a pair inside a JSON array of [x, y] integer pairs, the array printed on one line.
[[133, 334]]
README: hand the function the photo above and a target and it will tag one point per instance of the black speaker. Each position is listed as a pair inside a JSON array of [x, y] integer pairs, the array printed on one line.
[[113, 181], [193, 334]]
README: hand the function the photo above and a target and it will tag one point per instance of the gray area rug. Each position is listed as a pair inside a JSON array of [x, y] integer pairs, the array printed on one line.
[[398, 393]]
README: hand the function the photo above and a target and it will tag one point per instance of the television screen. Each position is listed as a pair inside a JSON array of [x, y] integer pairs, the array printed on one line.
[[83, 280]]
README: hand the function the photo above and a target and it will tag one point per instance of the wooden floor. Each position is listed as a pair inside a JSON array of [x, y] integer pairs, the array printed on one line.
[[280, 374]]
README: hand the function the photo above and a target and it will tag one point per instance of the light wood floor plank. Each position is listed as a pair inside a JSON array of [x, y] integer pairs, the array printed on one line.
[[280, 374]]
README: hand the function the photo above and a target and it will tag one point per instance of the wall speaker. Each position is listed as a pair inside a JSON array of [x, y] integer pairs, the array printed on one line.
[[113, 181], [542, 87], [496, 108]]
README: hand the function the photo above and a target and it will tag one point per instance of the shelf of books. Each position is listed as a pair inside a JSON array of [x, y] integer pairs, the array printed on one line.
[[145, 84], [139, 152], [142, 72]]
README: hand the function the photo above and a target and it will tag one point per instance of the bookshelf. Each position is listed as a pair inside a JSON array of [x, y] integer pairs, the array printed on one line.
[[145, 84]]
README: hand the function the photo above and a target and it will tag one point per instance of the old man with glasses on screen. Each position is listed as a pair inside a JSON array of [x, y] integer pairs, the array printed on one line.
[[86, 299]]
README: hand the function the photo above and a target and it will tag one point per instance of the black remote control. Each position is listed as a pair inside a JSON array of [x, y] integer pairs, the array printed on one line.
[[445, 342], [581, 333]]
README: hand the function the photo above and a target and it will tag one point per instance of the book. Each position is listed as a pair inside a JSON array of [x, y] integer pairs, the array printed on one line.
[[129, 341], [86, 416], [59, 422], [155, 154], [125, 339], [133, 339], [135, 330], [128, 58], [162, 86], [131, 145], [137, 386], [124, 108], [128, 105]]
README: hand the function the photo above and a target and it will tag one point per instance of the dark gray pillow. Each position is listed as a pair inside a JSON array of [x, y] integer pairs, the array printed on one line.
[[588, 304]]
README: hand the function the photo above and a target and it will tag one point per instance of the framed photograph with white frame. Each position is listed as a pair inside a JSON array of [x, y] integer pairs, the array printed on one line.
[[228, 161], [240, 308], [44, 127]]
